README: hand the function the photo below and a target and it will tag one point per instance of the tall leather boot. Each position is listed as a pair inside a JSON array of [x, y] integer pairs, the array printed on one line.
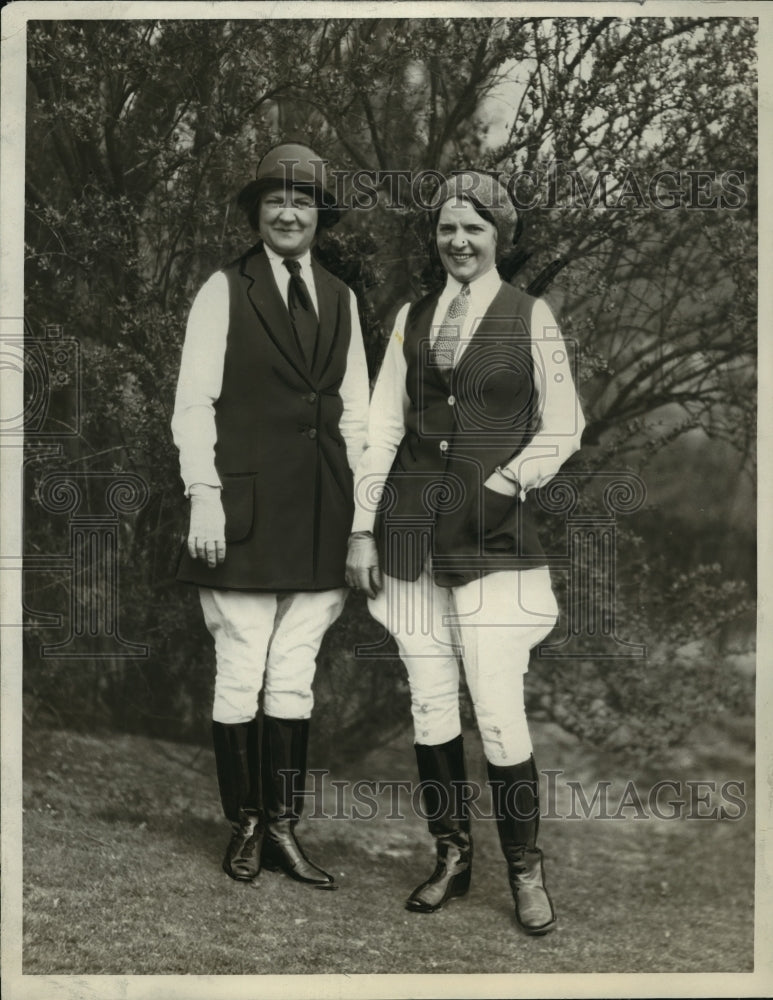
[[238, 775], [442, 768], [285, 742], [515, 793]]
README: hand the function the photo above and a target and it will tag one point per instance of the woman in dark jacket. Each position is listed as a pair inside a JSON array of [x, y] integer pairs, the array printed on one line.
[[269, 420], [474, 407]]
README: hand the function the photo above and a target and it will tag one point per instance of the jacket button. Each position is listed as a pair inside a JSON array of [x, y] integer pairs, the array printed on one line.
[[444, 445], [312, 432], [311, 398], [451, 400]]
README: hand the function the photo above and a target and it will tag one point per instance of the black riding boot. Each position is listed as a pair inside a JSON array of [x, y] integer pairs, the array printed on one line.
[[441, 770], [515, 793], [238, 775], [284, 779]]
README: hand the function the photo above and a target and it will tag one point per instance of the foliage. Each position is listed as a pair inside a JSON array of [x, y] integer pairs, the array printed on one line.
[[140, 133], [643, 704]]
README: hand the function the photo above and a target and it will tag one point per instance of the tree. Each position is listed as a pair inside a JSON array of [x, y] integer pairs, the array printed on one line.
[[141, 132]]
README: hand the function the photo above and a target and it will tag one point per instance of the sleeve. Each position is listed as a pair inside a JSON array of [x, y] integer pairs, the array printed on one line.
[[561, 419], [354, 392], [386, 427], [200, 382]]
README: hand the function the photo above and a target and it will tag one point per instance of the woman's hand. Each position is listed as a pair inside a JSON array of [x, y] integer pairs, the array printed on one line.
[[504, 481], [362, 568], [206, 535]]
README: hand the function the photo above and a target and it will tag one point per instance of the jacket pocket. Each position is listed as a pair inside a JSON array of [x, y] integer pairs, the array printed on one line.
[[498, 511], [239, 506]]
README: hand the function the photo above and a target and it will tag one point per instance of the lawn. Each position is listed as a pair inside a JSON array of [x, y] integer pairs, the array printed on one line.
[[123, 840]]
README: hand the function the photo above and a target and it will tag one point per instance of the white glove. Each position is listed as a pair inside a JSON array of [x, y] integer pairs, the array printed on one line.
[[206, 537], [505, 482], [362, 568]]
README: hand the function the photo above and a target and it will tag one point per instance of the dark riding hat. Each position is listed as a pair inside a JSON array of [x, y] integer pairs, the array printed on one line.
[[290, 164], [489, 198]]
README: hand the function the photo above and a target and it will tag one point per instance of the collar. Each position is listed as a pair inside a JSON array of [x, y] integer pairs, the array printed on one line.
[[277, 260], [485, 285]]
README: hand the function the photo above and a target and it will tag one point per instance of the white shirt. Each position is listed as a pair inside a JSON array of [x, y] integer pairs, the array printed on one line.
[[200, 381], [282, 276], [561, 419], [482, 293]]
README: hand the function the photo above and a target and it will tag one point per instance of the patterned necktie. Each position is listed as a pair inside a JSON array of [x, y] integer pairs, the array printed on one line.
[[448, 336], [302, 313]]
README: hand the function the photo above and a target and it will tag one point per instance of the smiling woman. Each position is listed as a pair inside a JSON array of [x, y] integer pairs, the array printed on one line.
[[460, 429], [466, 241], [289, 177], [287, 220], [272, 381]]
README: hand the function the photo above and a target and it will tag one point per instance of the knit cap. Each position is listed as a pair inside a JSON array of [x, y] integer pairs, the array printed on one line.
[[484, 192]]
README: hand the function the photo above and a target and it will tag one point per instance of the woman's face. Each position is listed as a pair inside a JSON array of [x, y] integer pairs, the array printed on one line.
[[467, 243], [288, 221]]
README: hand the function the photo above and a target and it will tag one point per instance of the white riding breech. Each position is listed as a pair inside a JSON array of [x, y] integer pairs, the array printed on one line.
[[491, 624], [267, 641]]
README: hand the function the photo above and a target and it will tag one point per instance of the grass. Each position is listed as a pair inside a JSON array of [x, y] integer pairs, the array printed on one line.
[[123, 840]]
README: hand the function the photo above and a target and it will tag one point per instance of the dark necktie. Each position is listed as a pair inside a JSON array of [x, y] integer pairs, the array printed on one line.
[[448, 336], [302, 313]]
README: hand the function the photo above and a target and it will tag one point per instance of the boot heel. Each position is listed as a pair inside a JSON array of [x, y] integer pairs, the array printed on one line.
[[238, 774], [284, 780], [515, 793], [460, 885], [441, 772], [533, 906], [242, 859], [268, 858], [445, 883], [282, 852]]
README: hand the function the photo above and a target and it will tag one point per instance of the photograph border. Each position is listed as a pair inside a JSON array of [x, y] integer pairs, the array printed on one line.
[[16, 985]]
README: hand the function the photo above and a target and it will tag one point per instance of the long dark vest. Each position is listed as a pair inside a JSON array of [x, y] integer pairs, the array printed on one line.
[[287, 486], [459, 428]]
